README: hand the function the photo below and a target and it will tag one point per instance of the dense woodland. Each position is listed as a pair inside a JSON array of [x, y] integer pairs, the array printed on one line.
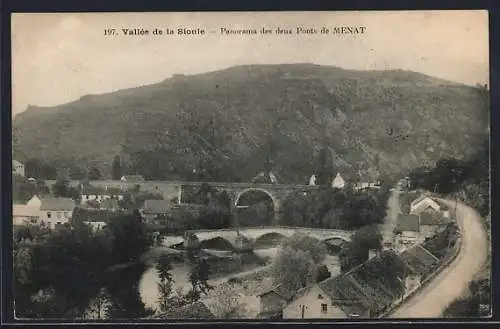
[[69, 271]]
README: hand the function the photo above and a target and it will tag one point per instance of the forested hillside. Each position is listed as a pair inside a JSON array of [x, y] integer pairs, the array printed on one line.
[[229, 125]]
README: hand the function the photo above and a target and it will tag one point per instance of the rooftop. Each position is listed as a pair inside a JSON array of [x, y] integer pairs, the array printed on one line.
[[434, 218], [57, 204], [196, 310], [280, 291], [408, 223], [419, 259], [156, 206]]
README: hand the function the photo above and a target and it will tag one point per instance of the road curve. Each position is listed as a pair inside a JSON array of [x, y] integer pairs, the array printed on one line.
[[452, 282]]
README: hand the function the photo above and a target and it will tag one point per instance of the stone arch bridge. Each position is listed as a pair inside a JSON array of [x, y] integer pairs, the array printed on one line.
[[254, 234], [176, 189]]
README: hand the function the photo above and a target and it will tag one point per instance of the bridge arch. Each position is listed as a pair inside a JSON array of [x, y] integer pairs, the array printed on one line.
[[271, 196], [267, 240], [258, 189]]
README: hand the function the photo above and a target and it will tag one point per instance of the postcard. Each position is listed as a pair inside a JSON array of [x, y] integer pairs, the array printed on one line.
[[264, 166]]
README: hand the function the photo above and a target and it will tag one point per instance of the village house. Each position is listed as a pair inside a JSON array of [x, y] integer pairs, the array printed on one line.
[[35, 201], [419, 264], [132, 179], [97, 219], [273, 301], [312, 180], [23, 214], [262, 178], [18, 168], [430, 222], [99, 194], [338, 182], [197, 310], [424, 204], [29, 213], [407, 231], [56, 211], [356, 293], [154, 209]]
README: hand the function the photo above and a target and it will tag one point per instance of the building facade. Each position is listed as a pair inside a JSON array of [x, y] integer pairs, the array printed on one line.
[[18, 168], [313, 304], [55, 211]]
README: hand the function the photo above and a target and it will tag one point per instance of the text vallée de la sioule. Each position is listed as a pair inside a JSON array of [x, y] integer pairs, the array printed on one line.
[[155, 31]]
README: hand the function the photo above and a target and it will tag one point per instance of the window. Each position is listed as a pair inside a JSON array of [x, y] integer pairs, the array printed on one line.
[[324, 308], [320, 296], [49, 215]]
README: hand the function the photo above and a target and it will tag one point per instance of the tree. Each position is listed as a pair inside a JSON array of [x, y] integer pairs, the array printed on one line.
[[77, 173], [356, 251], [199, 278], [61, 188], [99, 307], [323, 273], [163, 267], [291, 268], [129, 236], [95, 173], [324, 168], [116, 168]]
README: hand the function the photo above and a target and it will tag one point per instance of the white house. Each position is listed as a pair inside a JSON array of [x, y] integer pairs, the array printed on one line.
[[424, 204], [23, 214], [338, 181], [18, 168], [98, 194], [313, 303], [312, 180], [35, 202], [56, 211]]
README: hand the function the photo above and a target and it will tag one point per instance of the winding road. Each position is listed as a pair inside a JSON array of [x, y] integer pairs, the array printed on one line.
[[453, 281]]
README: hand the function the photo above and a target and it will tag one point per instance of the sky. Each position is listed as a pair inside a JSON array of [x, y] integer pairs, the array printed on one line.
[[59, 57]]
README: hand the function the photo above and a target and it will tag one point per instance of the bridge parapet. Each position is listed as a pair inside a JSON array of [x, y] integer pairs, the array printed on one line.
[[257, 232]]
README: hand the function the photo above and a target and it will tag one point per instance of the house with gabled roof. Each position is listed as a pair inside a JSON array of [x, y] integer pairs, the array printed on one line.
[[23, 214], [420, 263], [197, 310], [132, 179], [361, 292], [407, 231], [273, 301], [430, 222], [338, 181], [18, 168], [56, 210], [424, 204]]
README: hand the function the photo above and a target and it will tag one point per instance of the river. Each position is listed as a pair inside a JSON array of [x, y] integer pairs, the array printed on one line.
[[180, 273]]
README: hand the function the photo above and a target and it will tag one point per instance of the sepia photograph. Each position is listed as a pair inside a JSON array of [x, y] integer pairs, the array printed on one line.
[[263, 166]]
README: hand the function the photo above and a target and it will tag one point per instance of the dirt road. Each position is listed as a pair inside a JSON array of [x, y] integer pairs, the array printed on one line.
[[453, 281], [393, 210]]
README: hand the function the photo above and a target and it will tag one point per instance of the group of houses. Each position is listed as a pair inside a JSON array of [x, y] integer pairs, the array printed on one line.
[[340, 181], [47, 211], [425, 218], [363, 292], [94, 207]]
